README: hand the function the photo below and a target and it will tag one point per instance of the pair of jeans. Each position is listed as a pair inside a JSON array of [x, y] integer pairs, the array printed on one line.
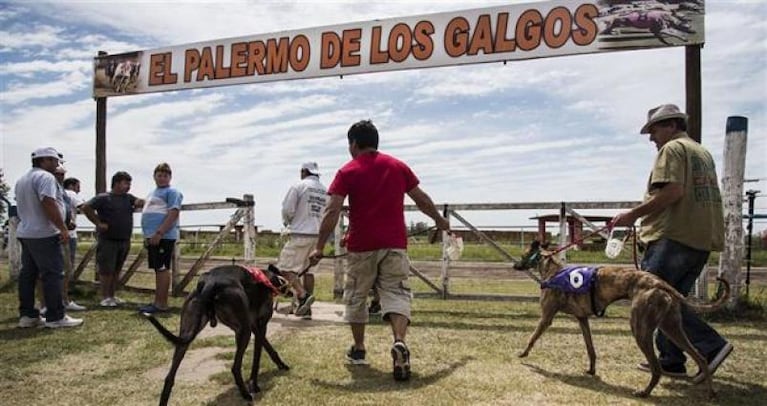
[[41, 258], [680, 265]]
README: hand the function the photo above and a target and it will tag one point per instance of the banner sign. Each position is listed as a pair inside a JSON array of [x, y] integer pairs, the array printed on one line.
[[514, 32]]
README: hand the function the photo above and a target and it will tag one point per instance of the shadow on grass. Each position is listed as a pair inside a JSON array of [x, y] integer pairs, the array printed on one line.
[[729, 391], [15, 333], [687, 392], [371, 380]]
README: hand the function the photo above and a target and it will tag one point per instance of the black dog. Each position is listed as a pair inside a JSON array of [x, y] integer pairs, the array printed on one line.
[[231, 294]]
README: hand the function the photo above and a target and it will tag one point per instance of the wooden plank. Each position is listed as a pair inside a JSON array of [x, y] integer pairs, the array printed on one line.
[[85, 261], [123, 280], [537, 206], [583, 220], [425, 280], [177, 289]]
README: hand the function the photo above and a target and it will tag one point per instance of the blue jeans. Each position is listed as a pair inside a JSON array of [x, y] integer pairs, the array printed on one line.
[[41, 258], [680, 266]]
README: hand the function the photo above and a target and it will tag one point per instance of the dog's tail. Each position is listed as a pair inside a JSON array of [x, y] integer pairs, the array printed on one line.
[[716, 304], [176, 340]]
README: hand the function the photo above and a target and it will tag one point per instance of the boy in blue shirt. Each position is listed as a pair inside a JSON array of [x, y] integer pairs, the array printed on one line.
[[159, 223]]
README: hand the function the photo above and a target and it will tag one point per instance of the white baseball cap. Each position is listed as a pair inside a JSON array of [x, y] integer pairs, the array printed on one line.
[[311, 167], [47, 152]]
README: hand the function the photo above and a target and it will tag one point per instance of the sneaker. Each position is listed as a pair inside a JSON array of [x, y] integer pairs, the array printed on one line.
[[355, 356], [151, 309], [400, 356], [108, 302], [672, 371], [73, 306], [308, 315], [43, 310], [715, 359], [375, 308], [66, 321], [118, 300], [29, 322], [304, 305]]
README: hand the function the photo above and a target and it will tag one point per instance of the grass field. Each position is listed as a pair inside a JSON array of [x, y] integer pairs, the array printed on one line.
[[463, 354]]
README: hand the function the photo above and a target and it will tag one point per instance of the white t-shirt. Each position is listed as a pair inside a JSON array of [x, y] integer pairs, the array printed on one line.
[[30, 191], [303, 206], [77, 201]]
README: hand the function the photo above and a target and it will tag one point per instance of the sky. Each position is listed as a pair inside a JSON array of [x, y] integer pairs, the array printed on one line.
[[545, 130]]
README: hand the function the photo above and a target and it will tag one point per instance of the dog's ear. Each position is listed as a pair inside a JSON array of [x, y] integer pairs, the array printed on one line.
[[273, 269]]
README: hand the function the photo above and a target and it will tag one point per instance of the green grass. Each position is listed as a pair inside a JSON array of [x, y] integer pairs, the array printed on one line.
[[463, 354]]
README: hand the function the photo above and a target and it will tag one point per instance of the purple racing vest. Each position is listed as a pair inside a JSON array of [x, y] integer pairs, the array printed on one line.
[[572, 279]]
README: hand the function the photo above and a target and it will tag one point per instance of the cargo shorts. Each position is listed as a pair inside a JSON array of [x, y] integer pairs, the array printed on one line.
[[387, 270]]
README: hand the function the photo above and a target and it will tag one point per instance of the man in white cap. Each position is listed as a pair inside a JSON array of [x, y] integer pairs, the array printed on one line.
[[302, 210], [41, 232], [682, 222]]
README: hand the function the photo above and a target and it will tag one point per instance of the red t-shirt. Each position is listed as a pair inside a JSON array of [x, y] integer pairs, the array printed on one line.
[[376, 184]]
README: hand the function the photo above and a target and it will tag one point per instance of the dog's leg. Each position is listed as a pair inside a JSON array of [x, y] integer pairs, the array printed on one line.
[[259, 336], [274, 356], [643, 326], [672, 328], [242, 337], [178, 355], [546, 318], [586, 330]]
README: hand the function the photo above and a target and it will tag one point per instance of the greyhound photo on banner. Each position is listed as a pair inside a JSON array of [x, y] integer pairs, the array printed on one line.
[[494, 34]]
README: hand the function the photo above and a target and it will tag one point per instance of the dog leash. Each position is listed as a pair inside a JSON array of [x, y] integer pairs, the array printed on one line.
[[300, 274], [580, 240]]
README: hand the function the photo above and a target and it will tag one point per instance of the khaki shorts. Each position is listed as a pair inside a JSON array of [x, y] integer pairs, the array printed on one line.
[[294, 256], [387, 270]]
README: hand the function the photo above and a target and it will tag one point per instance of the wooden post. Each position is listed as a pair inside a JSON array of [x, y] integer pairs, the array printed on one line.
[[339, 270], [101, 142], [693, 90], [125, 277], [445, 268], [731, 258], [563, 231], [249, 229], [14, 247]]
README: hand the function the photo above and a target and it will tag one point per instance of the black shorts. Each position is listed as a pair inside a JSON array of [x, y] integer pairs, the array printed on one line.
[[111, 255], [159, 256]]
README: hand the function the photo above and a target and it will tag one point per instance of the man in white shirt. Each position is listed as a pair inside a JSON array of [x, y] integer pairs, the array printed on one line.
[[302, 211], [41, 232]]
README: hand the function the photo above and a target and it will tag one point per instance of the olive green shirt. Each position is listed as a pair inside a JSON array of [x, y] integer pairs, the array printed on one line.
[[697, 219]]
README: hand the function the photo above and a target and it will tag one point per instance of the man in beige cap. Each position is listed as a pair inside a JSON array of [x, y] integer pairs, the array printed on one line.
[[682, 222], [41, 232]]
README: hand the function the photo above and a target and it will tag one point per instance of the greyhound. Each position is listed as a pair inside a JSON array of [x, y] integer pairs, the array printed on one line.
[[654, 305], [239, 297]]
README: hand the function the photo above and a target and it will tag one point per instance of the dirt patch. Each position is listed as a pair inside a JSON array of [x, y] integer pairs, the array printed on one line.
[[201, 363]]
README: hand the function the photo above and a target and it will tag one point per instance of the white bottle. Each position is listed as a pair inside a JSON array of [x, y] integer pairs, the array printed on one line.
[[614, 246]]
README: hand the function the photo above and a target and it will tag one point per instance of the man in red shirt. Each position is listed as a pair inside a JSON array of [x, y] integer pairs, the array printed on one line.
[[376, 184]]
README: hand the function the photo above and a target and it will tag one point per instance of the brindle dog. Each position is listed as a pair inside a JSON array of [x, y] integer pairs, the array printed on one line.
[[654, 305], [227, 293]]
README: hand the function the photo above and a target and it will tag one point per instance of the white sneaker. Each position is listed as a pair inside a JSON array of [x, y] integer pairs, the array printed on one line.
[[108, 302], [117, 300], [73, 306], [64, 322], [29, 322], [43, 310]]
